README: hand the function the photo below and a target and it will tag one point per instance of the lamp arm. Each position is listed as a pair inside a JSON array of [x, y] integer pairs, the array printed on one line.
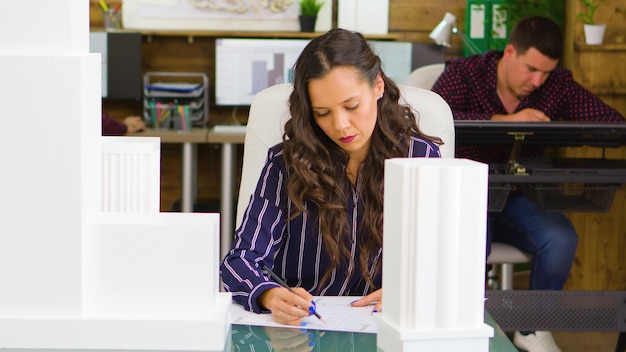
[[468, 42]]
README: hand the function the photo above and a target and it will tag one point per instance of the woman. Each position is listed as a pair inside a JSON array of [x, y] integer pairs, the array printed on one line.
[[316, 216]]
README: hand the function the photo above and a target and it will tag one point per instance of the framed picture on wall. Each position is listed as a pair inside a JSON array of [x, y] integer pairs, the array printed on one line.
[[219, 15]]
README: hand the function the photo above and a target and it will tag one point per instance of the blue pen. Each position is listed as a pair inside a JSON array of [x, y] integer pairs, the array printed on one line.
[[284, 284]]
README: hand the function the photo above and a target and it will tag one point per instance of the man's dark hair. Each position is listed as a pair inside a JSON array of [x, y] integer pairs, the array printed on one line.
[[540, 33]]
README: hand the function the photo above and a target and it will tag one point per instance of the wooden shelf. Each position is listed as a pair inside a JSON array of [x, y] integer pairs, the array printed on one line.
[[607, 90], [253, 34], [601, 47], [240, 34]]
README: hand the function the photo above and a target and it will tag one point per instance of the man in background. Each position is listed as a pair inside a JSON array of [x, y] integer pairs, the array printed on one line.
[[524, 83]]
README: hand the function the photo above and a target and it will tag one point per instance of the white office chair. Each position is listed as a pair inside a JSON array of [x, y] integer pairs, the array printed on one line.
[[503, 256], [425, 76], [269, 112]]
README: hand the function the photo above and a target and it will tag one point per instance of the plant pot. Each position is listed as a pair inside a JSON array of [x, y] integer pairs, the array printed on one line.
[[307, 23], [594, 33]]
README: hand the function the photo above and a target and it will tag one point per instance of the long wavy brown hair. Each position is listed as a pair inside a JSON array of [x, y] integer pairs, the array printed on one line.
[[316, 164]]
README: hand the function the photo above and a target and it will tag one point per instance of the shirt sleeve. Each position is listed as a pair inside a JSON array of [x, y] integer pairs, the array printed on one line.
[[579, 104], [112, 127], [453, 86], [256, 240], [423, 148]]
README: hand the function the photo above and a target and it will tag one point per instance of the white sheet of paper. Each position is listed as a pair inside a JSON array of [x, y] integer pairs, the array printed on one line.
[[336, 311]]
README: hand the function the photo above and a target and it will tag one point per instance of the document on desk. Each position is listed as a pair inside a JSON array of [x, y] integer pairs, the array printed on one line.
[[336, 311]]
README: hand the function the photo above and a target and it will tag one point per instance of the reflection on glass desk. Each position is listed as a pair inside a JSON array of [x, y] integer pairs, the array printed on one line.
[[267, 339], [272, 339]]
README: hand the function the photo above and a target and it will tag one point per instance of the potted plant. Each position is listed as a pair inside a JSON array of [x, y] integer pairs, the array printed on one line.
[[308, 14], [594, 33]]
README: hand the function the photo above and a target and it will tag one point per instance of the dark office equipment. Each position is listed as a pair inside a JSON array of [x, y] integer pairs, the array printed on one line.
[[555, 184], [124, 65]]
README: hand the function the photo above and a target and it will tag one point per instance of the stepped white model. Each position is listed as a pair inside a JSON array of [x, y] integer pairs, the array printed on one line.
[[434, 262], [71, 275]]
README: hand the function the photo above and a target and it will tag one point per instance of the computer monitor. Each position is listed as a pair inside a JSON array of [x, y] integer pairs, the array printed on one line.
[[243, 67], [121, 63]]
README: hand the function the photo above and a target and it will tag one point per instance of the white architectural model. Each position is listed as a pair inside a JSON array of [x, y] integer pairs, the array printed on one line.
[[71, 275], [434, 256]]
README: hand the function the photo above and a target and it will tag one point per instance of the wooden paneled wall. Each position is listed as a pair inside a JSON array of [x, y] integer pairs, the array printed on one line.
[[600, 260], [597, 67], [600, 263]]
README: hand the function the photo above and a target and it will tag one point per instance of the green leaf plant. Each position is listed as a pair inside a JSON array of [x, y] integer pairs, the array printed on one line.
[[310, 8], [587, 16]]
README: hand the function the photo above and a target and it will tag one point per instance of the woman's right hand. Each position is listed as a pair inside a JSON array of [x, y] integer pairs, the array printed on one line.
[[287, 307], [290, 339]]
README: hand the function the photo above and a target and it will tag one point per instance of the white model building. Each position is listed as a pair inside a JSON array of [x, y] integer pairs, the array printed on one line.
[[434, 256], [71, 275]]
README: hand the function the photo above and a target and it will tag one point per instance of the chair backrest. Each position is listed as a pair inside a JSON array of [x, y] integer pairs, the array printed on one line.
[[425, 76], [269, 111]]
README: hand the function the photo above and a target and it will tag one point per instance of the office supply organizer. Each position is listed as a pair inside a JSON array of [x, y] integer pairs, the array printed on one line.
[[176, 100]]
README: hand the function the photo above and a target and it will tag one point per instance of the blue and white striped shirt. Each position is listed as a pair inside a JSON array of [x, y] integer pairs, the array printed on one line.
[[266, 237]]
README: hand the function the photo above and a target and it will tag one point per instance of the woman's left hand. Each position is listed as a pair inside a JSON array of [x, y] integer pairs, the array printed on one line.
[[375, 298]]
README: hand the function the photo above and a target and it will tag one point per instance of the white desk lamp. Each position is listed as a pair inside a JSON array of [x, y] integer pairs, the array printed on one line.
[[442, 33]]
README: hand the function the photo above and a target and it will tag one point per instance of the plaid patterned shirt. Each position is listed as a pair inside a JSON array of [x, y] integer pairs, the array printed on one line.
[[468, 85]]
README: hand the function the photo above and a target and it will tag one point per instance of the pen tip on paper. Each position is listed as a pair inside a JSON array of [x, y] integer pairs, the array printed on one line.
[[319, 317]]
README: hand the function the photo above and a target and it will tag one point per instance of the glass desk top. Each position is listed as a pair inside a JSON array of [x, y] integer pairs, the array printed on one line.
[[267, 339]]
